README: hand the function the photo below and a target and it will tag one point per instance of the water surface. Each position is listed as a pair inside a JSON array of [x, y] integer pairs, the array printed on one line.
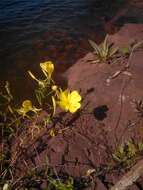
[[32, 31]]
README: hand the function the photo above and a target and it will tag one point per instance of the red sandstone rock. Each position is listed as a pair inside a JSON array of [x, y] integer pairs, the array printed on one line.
[[107, 115]]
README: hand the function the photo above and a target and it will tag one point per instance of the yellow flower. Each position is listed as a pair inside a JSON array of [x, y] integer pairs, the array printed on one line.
[[69, 101], [27, 107], [47, 68]]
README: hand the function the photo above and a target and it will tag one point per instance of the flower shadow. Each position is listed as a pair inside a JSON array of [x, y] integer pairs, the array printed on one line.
[[100, 112]]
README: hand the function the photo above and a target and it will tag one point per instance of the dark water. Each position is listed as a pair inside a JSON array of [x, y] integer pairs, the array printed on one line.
[[37, 30], [34, 25]]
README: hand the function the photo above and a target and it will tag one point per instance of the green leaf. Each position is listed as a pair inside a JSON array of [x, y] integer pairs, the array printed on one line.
[[7, 87], [54, 105], [125, 50], [105, 45], [95, 46], [113, 51]]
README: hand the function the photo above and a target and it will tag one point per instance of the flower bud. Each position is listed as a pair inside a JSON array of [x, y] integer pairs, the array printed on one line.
[[54, 87]]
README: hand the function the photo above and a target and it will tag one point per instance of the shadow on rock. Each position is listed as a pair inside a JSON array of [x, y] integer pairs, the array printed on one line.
[[100, 112]]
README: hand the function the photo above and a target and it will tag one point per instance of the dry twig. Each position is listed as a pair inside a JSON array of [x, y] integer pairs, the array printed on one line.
[[130, 177]]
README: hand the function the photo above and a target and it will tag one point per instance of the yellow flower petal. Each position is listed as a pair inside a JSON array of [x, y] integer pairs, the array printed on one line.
[[63, 95], [69, 101], [73, 108], [47, 68], [74, 96], [27, 107]]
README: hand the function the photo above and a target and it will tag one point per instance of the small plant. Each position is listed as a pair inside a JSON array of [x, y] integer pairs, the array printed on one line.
[[66, 100], [26, 108], [126, 50], [138, 105], [103, 51], [127, 153], [43, 84], [12, 118], [7, 112], [8, 123], [59, 185]]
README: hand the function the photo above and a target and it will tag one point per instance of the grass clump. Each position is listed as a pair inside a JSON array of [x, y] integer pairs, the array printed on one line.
[[127, 153], [59, 185], [103, 51]]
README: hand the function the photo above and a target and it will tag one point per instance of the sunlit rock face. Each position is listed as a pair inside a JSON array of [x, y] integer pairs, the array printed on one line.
[[105, 96]]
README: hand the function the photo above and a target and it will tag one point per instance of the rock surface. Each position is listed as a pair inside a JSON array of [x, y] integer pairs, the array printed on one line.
[[107, 117], [114, 97]]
